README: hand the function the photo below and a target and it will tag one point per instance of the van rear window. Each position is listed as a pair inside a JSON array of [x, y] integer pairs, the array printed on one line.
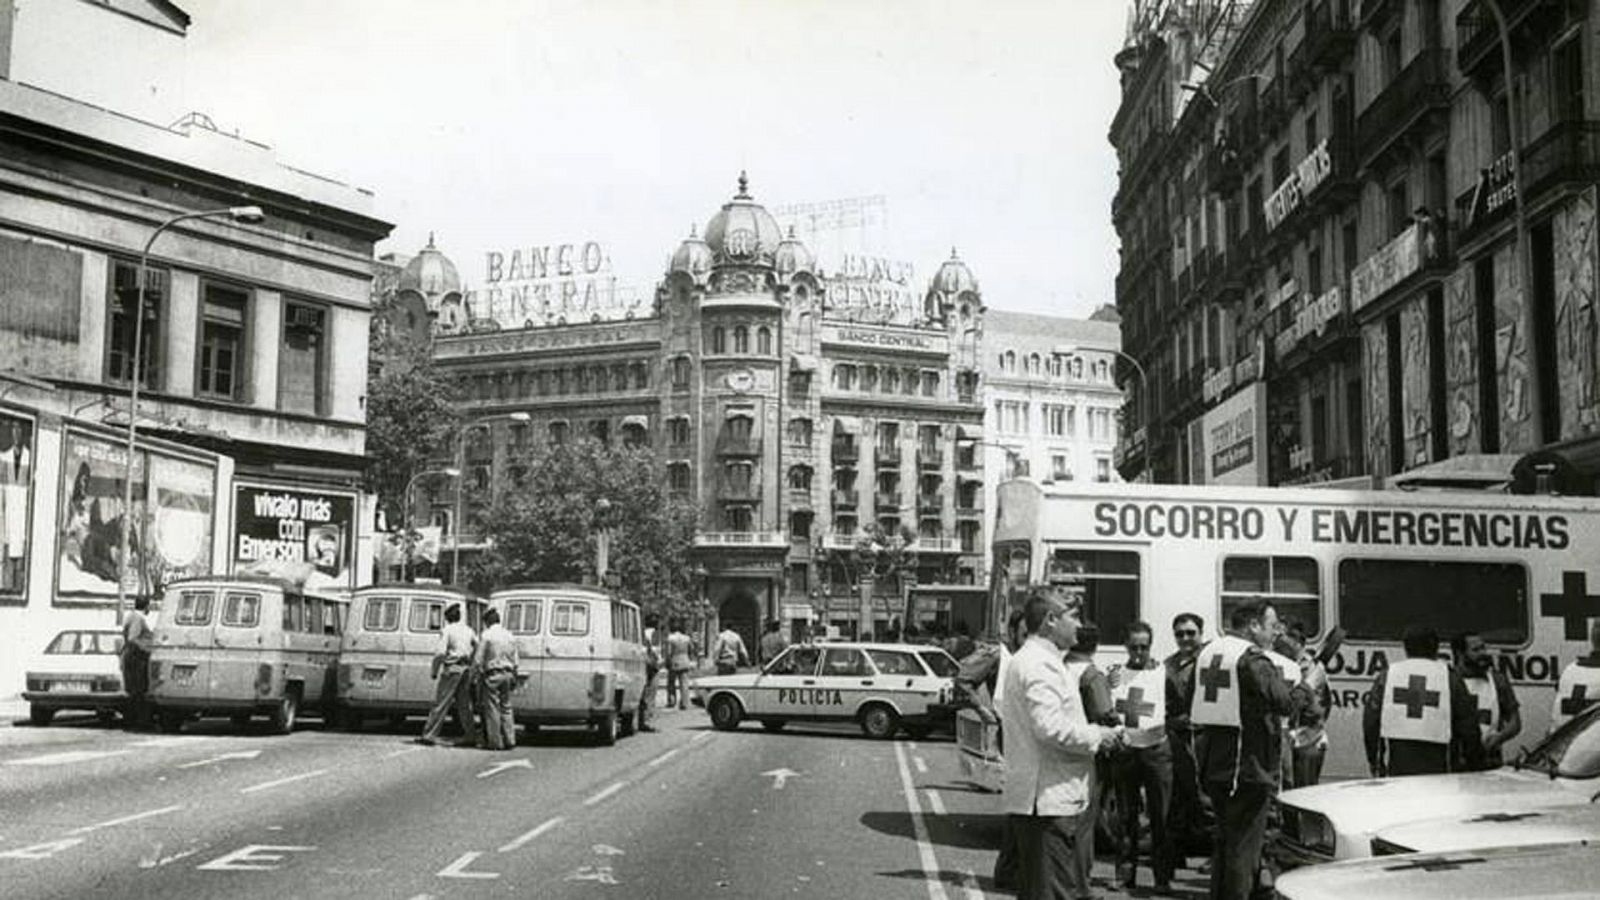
[[427, 616], [1380, 598], [383, 614], [1108, 582], [522, 616], [1292, 583], [194, 608], [569, 618], [241, 610]]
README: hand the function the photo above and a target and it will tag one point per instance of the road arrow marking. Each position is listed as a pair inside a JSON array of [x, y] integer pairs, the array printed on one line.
[[458, 869], [42, 851], [241, 754], [780, 777], [497, 768], [602, 874]]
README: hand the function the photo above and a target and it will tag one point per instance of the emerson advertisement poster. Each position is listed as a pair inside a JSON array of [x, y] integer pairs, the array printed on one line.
[[303, 535]]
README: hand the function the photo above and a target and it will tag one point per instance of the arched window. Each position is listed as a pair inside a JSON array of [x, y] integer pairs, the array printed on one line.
[[1009, 362], [1033, 364], [741, 339], [800, 478], [680, 373], [719, 340], [764, 341], [558, 431]]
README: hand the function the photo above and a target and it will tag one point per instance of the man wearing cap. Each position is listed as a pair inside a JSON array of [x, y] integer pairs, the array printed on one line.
[[452, 662], [1419, 718]]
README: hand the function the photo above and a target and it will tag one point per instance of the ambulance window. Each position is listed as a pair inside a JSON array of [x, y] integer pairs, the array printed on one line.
[[241, 610], [426, 616], [845, 662], [294, 612], [194, 608], [569, 619], [522, 617], [893, 662], [1380, 598], [1291, 583], [314, 609], [1108, 582], [383, 614]]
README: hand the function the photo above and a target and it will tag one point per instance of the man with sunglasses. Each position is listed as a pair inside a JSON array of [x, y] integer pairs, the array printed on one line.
[[1187, 822], [1142, 774]]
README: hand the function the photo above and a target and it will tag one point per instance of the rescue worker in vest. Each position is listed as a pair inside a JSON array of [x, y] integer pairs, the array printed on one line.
[[1094, 690], [1144, 769], [1240, 701], [1579, 687], [452, 670], [496, 662], [1187, 821], [1049, 752], [1495, 703], [138, 639], [1419, 718]]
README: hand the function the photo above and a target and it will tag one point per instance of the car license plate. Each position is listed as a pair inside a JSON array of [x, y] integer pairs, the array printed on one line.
[[372, 677], [69, 686], [183, 674]]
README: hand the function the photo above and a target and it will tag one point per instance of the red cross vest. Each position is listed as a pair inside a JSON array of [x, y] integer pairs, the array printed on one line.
[[1488, 700], [1140, 698], [1216, 682], [1578, 688], [1416, 702]]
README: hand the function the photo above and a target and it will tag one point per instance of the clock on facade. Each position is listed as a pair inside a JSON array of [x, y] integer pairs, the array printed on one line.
[[741, 380]]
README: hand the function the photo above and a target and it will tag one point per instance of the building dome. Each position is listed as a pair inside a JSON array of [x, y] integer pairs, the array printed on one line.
[[431, 274], [692, 257], [954, 277], [743, 231], [792, 256]]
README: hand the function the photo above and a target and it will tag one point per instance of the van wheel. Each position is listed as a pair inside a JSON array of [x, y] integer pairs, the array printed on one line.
[[170, 720], [287, 710], [629, 723], [725, 713], [605, 730], [40, 715], [774, 724], [879, 722]]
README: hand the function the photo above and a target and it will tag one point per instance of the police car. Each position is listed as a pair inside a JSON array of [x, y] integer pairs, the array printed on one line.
[[882, 687], [1340, 821], [1543, 872]]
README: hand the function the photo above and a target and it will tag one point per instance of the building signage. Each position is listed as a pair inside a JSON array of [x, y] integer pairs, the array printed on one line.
[[873, 288], [1233, 436], [1217, 383], [302, 535], [552, 284], [1312, 319], [886, 339], [1380, 272], [1496, 190], [1306, 178], [16, 501]]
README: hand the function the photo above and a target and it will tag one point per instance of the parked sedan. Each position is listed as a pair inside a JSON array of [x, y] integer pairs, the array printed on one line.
[[882, 687], [1501, 828], [1340, 820], [78, 670], [1543, 872]]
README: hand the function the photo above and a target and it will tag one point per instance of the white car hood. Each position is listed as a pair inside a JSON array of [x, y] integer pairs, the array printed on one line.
[[1564, 872], [1358, 809], [1500, 827]]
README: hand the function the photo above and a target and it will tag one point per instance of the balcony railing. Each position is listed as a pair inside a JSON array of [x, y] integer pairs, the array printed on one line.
[[1375, 11], [744, 492], [1568, 152], [930, 457], [738, 446], [1478, 37], [741, 539], [845, 499], [936, 545], [930, 503], [1420, 88], [845, 452], [839, 540], [883, 500], [1330, 33], [886, 455]]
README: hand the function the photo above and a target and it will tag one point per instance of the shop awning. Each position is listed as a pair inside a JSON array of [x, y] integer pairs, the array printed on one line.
[[846, 425], [641, 421], [969, 433], [803, 362]]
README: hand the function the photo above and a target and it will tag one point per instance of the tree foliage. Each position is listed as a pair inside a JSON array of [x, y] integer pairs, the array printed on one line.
[[544, 529], [880, 553], [411, 419]]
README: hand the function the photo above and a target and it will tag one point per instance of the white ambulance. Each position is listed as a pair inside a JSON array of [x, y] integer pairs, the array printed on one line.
[[1516, 570]]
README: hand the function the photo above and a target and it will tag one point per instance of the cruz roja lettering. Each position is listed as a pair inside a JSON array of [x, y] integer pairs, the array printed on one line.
[[810, 696]]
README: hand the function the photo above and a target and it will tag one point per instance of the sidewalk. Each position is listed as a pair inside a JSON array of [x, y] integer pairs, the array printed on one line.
[[13, 709]]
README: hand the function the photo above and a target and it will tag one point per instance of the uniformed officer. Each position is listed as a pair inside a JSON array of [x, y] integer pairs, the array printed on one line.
[[1494, 702], [1144, 768], [1240, 701], [452, 662], [1419, 718], [1579, 687], [496, 661]]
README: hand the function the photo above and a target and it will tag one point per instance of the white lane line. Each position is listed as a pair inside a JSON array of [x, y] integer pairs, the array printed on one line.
[[919, 828], [969, 886], [61, 759], [268, 785], [922, 767], [526, 838], [126, 819], [912, 746], [605, 793], [935, 802], [704, 735], [403, 752], [662, 758]]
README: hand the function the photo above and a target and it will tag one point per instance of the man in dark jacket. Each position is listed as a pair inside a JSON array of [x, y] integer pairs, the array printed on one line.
[[1427, 720], [1240, 701], [1187, 821]]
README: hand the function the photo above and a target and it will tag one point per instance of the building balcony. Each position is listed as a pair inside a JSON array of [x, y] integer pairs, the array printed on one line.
[[936, 545], [1375, 12], [1567, 153], [930, 458], [886, 456], [1330, 33], [738, 447], [1220, 165], [840, 540], [770, 539], [845, 499], [1421, 89], [740, 493], [799, 499], [1478, 37], [886, 501], [930, 503], [845, 452]]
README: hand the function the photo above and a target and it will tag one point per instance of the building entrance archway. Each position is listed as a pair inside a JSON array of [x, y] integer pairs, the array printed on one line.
[[741, 611]]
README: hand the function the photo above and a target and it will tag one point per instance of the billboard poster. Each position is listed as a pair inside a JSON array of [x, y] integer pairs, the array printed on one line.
[[16, 496], [1234, 434], [173, 502], [306, 536]]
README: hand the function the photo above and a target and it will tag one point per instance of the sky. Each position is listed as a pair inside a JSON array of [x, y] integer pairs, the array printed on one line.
[[506, 124]]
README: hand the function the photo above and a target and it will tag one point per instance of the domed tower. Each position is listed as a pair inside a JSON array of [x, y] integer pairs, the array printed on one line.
[[432, 277], [955, 302]]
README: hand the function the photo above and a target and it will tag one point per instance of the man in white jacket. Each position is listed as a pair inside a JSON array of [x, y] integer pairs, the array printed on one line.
[[1049, 750]]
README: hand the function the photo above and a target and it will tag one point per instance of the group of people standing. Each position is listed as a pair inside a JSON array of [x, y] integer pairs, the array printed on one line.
[[465, 657]]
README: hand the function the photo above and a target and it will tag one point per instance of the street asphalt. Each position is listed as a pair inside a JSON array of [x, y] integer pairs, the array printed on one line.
[[91, 811]]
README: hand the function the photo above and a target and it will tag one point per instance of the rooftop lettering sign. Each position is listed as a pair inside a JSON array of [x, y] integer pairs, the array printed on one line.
[[552, 284]]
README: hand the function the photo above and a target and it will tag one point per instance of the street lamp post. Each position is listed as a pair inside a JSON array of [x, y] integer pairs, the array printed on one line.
[[241, 214], [1144, 396], [461, 466], [405, 562]]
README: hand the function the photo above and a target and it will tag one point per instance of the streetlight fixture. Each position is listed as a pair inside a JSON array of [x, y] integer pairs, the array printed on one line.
[[449, 471], [461, 466], [1144, 393], [245, 215]]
